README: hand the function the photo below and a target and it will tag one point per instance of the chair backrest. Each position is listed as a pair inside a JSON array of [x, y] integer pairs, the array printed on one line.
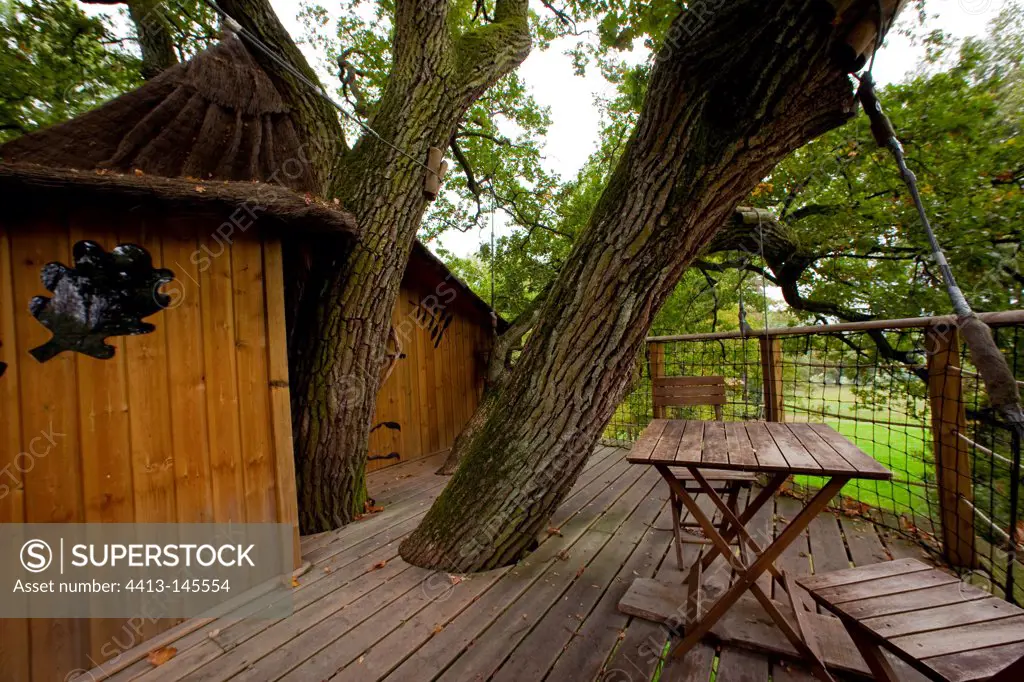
[[687, 391]]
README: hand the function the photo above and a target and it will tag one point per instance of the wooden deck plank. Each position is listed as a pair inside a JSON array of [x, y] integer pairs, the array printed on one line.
[[445, 647], [220, 656], [298, 639], [445, 602], [695, 666], [359, 531], [355, 623], [862, 539], [795, 559], [597, 636], [488, 651], [741, 665], [321, 583], [639, 651], [827, 548], [539, 650]]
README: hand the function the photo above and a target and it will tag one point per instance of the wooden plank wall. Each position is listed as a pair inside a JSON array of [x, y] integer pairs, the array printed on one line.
[[180, 426], [434, 389]]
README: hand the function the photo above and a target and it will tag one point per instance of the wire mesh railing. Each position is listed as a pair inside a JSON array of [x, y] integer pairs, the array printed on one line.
[[905, 392]]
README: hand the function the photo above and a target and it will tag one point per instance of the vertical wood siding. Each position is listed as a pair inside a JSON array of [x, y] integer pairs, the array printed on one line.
[[435, 388], [187, 424]]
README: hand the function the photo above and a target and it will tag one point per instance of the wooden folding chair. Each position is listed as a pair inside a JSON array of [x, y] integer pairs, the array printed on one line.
[[689, 392], [946, 629]]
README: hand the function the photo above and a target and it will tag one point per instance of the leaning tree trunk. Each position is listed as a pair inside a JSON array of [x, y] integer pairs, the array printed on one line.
[[733, 91], [339, 350]]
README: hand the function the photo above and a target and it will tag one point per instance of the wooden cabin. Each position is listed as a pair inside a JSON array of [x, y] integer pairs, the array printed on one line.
[[143, 354]]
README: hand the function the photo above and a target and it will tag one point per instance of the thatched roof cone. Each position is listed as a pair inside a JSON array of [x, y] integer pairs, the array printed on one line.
[[217, 116]]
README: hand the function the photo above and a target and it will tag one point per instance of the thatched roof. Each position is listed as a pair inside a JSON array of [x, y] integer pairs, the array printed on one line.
[[277, 207], [217, 116], [192, 141]]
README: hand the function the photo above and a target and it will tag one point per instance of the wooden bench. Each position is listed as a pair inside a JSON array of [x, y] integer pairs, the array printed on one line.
[[944, 628], [694, 392]]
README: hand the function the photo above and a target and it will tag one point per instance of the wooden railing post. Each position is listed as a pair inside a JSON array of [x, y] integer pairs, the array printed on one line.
[[771, 371], [952, 460], [656, 366]]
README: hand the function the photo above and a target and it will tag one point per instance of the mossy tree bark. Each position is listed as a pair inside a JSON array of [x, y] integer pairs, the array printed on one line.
[[341, 322], [734, 90]]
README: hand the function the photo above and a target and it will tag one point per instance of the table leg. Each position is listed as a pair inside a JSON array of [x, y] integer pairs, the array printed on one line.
[[765, 496], [730, 520], [877, 663], [748, 575], [677, 530]]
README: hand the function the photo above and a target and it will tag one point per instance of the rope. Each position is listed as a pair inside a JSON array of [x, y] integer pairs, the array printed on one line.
[[1000, 383]]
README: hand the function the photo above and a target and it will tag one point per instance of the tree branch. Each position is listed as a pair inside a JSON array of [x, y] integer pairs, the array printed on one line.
[[486, 53], [500, 360]]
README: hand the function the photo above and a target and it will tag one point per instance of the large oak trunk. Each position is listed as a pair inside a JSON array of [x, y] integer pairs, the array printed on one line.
[[733, 91], [344, 318]]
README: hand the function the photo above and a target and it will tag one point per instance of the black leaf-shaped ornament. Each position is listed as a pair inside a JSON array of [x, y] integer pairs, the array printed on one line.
[[104, 295]]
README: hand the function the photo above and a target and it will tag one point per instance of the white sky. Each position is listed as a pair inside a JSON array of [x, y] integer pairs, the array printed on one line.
[[573, 134]]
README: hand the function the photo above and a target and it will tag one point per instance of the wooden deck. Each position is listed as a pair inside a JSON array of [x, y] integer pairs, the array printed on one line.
[[361, 613]]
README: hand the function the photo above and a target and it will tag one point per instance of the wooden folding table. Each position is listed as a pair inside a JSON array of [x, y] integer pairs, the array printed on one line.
[[777, 450]]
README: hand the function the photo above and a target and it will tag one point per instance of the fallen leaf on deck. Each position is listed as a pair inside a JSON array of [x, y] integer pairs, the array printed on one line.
[[162, 655], [200, 189], [438, 628], [295, 581], [327, 569], [554, 531], [213, 633], [580, 572], [380, 564], [454, 579]]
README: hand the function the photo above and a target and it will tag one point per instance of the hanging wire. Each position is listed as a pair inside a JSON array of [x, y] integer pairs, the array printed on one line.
[[317, 89], [764, 264], [493, 209], [301, 77]]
